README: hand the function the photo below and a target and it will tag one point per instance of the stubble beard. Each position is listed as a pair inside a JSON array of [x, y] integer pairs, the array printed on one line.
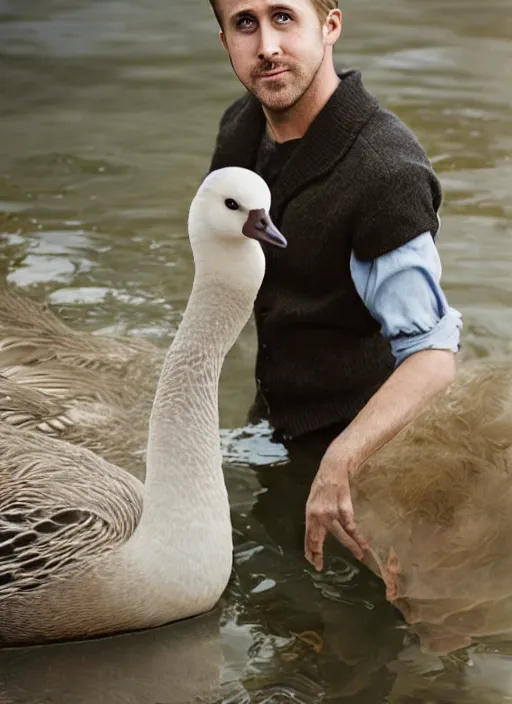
[[277, 98]]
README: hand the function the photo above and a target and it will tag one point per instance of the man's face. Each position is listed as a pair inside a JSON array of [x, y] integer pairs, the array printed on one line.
[[275, 48]]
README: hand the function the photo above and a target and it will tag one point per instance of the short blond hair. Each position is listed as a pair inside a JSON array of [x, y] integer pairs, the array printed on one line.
[[322, 8]]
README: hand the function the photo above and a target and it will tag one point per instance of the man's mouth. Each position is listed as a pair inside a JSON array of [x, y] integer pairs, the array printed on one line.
[[272, 75]]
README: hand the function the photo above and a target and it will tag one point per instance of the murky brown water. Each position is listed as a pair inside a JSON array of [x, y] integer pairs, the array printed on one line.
[[108, 112]]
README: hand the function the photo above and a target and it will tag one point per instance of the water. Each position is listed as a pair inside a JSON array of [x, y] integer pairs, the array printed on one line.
[[108, 112]]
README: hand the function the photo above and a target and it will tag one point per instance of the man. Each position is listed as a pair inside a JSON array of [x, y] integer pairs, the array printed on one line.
[[355, 335]]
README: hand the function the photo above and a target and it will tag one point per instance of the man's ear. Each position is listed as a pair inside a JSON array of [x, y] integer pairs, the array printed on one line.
[[332, 27]]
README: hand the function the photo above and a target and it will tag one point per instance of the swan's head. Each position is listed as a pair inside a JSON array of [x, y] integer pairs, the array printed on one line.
[[232, 204]]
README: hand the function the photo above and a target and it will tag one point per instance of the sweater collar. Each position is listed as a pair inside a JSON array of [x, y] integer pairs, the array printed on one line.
[[326, 141]]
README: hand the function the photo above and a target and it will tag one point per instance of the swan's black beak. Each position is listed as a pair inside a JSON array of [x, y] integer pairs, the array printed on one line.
[[260, 227]]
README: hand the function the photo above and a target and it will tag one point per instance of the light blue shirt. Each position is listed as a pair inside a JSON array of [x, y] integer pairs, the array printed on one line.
[[402, 291]]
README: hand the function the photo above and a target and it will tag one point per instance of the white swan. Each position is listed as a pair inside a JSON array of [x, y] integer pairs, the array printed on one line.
[[85, 548]]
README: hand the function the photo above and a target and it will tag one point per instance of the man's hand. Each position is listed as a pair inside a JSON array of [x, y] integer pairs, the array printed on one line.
[[407, 391], [329, 510]]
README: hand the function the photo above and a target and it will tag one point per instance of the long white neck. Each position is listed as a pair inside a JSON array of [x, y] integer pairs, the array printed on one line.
[[184, 480]]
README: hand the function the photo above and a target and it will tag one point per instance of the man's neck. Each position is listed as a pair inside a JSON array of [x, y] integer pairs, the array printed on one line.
[[294, 123]]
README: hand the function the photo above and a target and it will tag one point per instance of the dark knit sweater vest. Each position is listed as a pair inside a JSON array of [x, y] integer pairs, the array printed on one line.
[[358, 180]]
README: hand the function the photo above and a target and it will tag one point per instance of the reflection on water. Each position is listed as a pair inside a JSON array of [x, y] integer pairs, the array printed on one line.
[[174, 664], [480, 675], [108, 113]]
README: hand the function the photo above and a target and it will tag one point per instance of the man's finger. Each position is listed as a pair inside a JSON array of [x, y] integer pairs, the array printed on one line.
[[347, 540], [349, 524], [314, 544], [353, 531]]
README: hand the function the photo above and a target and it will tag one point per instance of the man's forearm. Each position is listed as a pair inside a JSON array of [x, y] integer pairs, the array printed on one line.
[[407, 391]]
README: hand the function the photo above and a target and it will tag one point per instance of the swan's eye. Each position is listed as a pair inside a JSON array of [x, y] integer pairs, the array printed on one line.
[[231, 204]]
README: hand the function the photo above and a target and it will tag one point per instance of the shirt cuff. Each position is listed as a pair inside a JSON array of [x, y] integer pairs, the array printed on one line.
[[445, 335]]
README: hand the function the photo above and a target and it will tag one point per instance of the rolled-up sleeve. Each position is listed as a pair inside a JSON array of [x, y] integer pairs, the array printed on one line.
[[402, 291]]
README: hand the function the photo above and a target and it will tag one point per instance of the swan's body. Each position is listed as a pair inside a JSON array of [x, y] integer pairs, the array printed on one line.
[[85, 548]]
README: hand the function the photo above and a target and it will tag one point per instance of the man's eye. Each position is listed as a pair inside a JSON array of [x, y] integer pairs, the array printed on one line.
[[244, 22], [282, 17]]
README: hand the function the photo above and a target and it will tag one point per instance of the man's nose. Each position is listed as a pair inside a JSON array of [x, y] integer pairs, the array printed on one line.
[[270, 46]]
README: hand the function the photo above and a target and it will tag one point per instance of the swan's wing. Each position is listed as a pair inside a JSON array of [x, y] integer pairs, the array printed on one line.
[[31, 334], [112, 426], [61, 507], [53, 397], [91, 390], [26, 407]]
